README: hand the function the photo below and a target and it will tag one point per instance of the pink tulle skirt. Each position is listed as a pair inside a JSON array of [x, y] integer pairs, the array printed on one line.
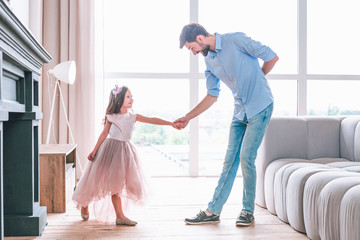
[[115, 170]]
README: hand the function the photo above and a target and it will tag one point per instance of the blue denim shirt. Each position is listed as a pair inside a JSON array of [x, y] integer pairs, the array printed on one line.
[[235, 62]]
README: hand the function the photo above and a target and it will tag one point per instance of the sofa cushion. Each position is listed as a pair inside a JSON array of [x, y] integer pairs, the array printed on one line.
[[269, 180], [329, 206], [329, 160], [350, 138], [349, 214], [323, 137], [343, 164], [312, 189], [357, 143], [352, 169], [276, 165], [295, 192], [280, 186]]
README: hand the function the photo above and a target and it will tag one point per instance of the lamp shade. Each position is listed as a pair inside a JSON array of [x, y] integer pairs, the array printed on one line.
[[65, 71]]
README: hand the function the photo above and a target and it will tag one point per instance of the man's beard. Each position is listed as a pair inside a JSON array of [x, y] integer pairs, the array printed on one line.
[[205, 51]]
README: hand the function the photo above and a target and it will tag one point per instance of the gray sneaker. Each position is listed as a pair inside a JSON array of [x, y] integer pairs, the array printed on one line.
[[202, 218], [245, 219]]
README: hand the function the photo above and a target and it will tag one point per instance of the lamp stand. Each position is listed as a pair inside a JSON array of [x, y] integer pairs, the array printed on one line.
[[57, 85]]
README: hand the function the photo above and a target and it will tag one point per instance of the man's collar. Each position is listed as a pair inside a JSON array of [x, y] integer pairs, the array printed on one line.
[[217, 45], [218, 42]]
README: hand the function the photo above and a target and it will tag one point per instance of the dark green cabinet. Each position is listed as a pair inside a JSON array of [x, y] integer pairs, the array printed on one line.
[[21, 59]]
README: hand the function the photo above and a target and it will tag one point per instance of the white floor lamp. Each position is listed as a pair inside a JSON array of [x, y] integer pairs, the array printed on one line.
[[64, 72]]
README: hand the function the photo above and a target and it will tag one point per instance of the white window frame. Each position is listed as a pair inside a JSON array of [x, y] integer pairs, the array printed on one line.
[[195, 75]]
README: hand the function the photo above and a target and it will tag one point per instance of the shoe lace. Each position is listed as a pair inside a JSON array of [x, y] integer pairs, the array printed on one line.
[[243, 214], [201, 213]]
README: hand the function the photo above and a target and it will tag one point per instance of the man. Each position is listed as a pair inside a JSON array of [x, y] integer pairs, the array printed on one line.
[[233, 59]]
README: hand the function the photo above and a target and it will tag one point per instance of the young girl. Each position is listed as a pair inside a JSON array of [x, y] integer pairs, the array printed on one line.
[[114, 168]]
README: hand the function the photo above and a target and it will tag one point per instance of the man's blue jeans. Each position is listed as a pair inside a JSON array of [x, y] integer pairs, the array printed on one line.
[[244, 140]]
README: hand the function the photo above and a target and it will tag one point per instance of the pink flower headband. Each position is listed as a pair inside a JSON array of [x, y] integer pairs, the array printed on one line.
[[116, 90]]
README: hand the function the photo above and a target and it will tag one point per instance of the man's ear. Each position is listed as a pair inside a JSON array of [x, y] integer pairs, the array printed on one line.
[[200, 38]]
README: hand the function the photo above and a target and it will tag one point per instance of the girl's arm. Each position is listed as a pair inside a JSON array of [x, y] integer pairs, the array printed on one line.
[[156, 121], [102, 137]]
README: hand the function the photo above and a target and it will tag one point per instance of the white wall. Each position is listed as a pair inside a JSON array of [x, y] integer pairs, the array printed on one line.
[[21, 10]]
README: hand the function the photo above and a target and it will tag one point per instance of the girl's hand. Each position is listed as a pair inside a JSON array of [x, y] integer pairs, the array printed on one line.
[[91, 156], [177, 125]]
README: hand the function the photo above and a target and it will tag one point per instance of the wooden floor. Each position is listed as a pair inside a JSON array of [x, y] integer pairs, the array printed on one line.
[[171, 200]]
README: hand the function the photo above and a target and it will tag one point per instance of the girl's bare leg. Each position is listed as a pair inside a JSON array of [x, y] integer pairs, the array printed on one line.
[[85, 213], [116, 200], [120, 217]]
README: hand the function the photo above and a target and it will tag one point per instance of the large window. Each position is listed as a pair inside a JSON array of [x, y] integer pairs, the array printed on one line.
[[141, 51], [318, 72], [333, 41], [140, 37], [337, 97], [273, 23]]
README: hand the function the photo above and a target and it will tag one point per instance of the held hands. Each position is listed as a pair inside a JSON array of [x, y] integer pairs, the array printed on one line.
[[176, 125], [181, 123]]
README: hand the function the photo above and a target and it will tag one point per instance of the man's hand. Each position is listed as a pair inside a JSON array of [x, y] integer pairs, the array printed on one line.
[[181, 122], [177, 125]]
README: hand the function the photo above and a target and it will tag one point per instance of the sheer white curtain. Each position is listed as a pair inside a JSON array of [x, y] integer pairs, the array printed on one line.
[[68, 34]]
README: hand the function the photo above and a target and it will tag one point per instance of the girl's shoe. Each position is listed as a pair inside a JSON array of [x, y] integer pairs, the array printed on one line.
[[126, 222], [84, 216]]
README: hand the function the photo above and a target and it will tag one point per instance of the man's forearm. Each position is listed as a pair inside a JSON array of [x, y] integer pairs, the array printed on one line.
[[202, 106], [267, 66]]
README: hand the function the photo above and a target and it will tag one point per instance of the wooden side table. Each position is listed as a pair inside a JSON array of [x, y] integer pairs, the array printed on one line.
[[57, 175]]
